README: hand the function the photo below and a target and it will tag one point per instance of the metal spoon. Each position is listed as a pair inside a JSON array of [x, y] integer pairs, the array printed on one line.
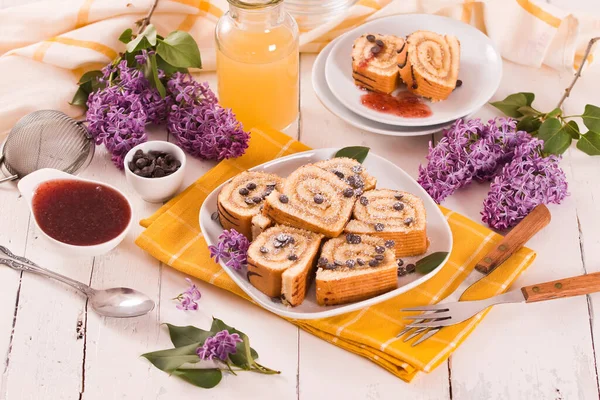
[[115, 302]]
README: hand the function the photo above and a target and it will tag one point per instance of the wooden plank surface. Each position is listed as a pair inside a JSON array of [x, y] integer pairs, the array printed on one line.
[[541, 350]]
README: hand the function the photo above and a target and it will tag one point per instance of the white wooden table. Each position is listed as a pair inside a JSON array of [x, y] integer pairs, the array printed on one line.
[[52, 348]]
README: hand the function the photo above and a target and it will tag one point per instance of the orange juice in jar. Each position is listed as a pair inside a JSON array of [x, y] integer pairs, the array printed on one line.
[[257, 63]]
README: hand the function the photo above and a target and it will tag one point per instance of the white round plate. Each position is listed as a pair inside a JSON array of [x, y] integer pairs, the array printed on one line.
[[480, 68], [330, 102], [388, 176]]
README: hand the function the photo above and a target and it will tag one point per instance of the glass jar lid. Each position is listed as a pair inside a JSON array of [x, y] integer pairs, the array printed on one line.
[[253, 4]]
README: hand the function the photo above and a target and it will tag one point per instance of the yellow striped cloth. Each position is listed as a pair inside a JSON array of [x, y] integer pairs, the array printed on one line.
[[173, 236], [46, 46]]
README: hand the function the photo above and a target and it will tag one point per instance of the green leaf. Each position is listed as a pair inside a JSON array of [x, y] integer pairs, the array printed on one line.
[[168, 68], [171, 359], [204, 378], [358, 153], [186, 335], [144, 40], [529, 124], [244, 357], [590, 143], [511, 104], [90, 76], [527, 111], [180, 50], [554, 113], [151, 73], [572, 129], [591, 118], [126, 36], [427, 264], [80, 98], [556, 138]]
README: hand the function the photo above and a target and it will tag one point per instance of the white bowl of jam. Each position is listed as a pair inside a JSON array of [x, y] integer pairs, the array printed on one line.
[[81, 216]]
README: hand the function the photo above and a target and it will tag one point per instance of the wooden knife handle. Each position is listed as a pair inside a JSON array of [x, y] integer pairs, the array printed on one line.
[[568, 287], [537, 219]]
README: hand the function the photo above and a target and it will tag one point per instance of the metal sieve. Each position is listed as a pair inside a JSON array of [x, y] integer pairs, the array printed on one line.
[[46, 139]]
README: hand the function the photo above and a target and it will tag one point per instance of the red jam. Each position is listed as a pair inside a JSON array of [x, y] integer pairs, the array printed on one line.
[[405, 104], [80, 213]]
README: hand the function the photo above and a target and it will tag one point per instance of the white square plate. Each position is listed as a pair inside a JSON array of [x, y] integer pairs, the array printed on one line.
[[388, 176], [480, 68]]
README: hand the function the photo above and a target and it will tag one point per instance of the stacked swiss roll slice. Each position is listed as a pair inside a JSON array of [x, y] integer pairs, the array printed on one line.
[[315, 225], [427, 62]]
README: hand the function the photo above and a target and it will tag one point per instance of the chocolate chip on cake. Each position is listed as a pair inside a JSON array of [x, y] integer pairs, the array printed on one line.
[[379, 249], [411, 268], [400, 262], [350, 263], [257, 199], [408, 221], [398, 196], [348, 192], [251, 186], [318, 199], [282, 237], [338, 173], [330, 266], [364, 201], [352, 238], [379, 43], [243, 191], [379, 227], [398, 206], [360, 261], [373, 263], [371, 38], [263, 250], [338, 263], [357, 169], [379, 257], [283, 198], [322, 261], [248, 200], [389, 244], [375, 49], [292, 257], [358, 192]]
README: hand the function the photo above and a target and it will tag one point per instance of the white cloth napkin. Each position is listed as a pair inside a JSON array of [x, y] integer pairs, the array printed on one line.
[[45, 47]]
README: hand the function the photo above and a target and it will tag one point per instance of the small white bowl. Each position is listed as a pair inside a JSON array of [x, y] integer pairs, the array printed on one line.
[[28, 185], [156, 190]]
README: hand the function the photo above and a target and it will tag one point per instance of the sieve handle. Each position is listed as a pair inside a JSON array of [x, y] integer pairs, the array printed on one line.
[[10, 178]]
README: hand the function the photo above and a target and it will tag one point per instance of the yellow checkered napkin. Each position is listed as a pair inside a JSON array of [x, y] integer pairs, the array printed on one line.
[[173, 236]]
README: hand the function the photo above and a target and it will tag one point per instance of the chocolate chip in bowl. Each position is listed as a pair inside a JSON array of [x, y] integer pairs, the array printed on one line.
[[155, 170]]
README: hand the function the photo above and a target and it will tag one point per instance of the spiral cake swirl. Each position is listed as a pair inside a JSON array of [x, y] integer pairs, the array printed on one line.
[[429, 64], [350, 171], [313, 199], [392, 215], [242, 198], [353, 268], [374, 62], [281, 262]]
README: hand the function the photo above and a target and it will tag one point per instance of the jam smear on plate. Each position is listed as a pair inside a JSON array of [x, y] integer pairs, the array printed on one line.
[[404, 104], [80, 213]]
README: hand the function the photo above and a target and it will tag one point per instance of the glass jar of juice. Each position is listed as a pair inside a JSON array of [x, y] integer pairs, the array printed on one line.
[[257, 63]]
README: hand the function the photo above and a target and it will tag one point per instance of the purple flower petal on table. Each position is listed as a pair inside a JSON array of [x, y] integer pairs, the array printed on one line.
[[219, 346]]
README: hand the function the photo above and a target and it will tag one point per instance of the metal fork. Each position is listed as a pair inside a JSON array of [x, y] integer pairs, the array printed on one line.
[[453, 313], [537, 219]]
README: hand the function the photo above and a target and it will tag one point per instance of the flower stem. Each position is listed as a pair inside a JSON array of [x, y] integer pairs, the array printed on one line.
[[578, 73], [146, 20]]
